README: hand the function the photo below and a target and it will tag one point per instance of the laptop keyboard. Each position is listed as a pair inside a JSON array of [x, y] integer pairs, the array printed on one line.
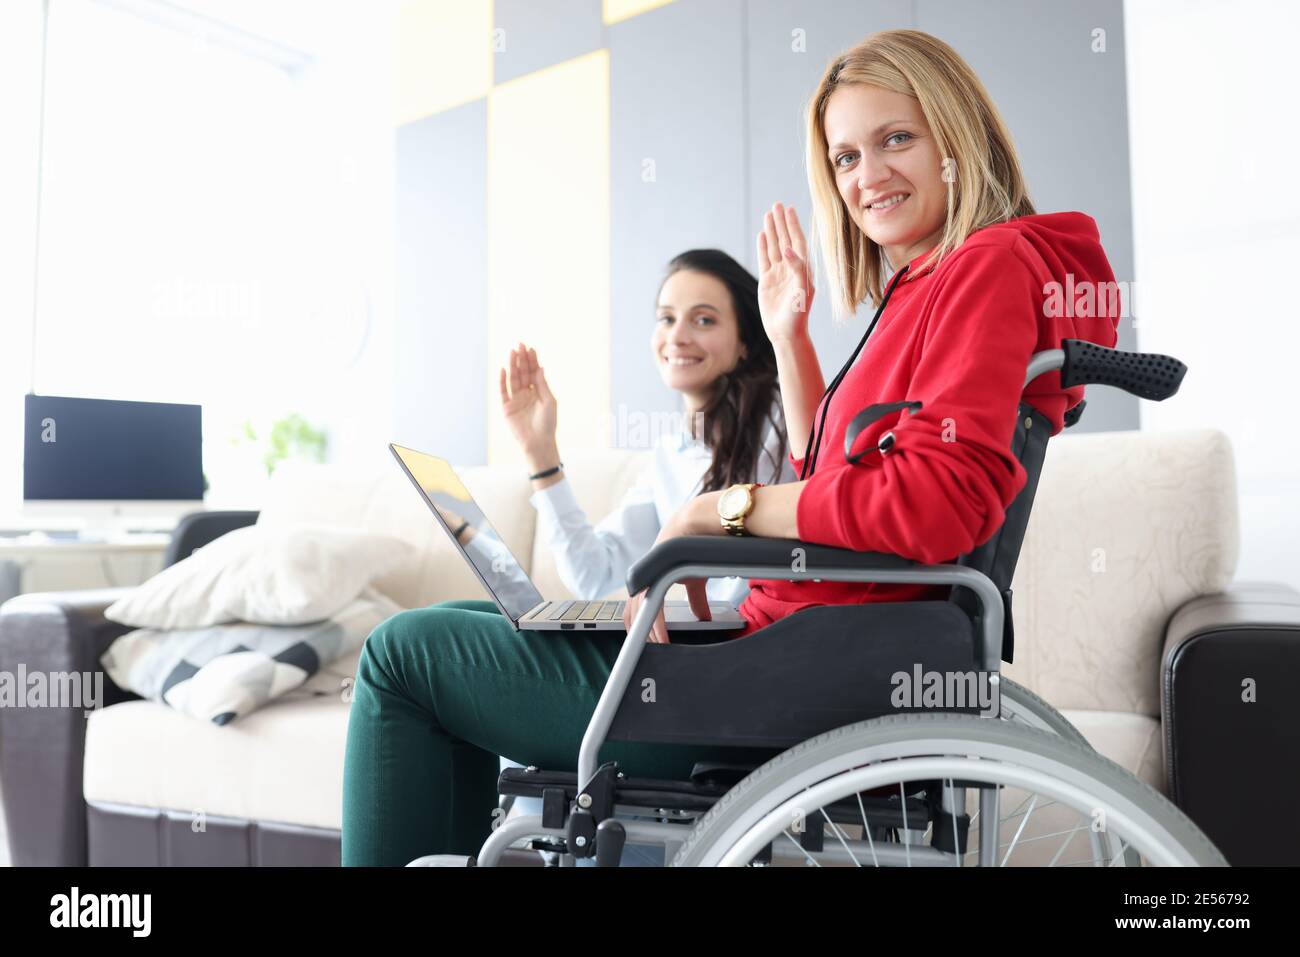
[[585, 611]]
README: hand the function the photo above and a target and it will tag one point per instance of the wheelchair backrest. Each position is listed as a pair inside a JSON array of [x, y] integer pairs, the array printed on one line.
[[997, 557]]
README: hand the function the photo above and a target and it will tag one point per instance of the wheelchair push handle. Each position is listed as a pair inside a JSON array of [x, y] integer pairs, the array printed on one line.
[[1147, 375]]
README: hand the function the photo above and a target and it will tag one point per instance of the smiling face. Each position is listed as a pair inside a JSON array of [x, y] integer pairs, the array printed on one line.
[[696, 336], [887, 168]]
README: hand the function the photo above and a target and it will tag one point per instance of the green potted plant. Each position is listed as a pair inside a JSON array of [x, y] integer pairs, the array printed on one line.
[[290, 437]]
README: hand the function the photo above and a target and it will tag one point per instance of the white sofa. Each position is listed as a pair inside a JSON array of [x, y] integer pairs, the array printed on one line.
[[1126, 529]]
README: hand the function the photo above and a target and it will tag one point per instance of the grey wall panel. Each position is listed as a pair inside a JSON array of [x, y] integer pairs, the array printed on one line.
[[676, 101], [1067, 108], [711, 92], [536, 35], [440, 394], [780, 80]]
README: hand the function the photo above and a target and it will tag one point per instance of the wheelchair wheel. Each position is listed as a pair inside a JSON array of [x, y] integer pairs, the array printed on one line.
[[883, 792], [1021, 705]]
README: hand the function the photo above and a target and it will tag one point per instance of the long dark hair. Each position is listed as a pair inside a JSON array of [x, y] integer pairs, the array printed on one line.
[[733, 423]]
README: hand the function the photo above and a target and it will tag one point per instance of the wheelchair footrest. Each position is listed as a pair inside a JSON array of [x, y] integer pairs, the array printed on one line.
[[882, 807], [635, 792]]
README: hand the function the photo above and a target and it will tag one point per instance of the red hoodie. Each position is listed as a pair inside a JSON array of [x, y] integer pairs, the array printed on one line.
[[957, 338]]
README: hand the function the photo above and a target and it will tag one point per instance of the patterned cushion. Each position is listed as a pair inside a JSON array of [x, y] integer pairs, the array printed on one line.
[[223, 672]]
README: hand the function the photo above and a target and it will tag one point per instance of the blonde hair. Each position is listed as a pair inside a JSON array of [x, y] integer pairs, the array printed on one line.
[[968, 132]]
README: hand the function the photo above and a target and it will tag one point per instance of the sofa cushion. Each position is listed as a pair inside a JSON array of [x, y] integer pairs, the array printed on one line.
[[1130, 740], [283, 763], [386, 503], [1126, 528]]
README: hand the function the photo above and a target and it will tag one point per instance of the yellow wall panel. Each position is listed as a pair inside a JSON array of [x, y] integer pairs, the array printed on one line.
[[548, 243], [616, 10], [443, 55]]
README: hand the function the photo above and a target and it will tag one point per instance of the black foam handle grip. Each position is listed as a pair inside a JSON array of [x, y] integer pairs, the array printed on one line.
[[1147, 375]]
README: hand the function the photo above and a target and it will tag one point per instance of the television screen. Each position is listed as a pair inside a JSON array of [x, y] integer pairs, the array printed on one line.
[[111, 450]]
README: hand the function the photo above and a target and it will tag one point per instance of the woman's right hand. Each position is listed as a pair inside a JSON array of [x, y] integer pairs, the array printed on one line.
[[785, 286], [530, 408]]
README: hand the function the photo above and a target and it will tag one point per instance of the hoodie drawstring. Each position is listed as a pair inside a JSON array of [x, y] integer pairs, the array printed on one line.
[[814, 440]]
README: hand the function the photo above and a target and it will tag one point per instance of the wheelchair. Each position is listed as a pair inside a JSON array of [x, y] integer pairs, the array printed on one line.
[[845, 774]]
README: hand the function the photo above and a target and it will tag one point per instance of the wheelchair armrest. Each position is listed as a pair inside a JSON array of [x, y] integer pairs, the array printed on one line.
[[777, 558], [726, 550]]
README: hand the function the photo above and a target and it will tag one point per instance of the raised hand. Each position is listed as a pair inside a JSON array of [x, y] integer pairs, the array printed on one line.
[[530, 408], [785, 286]]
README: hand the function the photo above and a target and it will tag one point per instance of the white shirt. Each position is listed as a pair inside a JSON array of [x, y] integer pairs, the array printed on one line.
[[593, 560]]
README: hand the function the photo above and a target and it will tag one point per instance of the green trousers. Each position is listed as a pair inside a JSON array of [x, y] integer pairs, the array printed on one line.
[[440, 693]]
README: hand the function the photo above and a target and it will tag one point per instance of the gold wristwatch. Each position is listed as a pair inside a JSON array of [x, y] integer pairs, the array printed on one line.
[[736, 503]]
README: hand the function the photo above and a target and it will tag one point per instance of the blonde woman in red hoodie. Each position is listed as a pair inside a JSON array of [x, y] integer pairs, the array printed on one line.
[[920, 207], [914, 177]]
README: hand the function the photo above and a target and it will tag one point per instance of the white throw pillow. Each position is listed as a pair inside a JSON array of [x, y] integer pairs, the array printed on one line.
[[287, 575]]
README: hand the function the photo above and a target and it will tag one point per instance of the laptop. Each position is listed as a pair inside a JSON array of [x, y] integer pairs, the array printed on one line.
[[505, 579]]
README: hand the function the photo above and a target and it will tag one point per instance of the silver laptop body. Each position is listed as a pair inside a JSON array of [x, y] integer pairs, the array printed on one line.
[[505, 579]]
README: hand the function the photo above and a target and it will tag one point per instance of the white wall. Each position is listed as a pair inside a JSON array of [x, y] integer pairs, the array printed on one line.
[[1215, 132], [168, 185], [20, 55]]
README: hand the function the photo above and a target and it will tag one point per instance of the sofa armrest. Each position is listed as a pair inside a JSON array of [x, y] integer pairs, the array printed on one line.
[[1230, 709], [199, 528], [52, 635]]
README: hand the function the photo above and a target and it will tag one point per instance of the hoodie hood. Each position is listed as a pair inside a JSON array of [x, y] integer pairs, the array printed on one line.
[[1067, 244]]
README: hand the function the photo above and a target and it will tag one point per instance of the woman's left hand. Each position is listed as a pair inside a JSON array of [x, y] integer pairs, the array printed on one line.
[[692, 519]]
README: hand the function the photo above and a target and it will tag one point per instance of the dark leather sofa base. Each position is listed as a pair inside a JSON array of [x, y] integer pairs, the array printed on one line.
[[1234, 764], [125, 836]]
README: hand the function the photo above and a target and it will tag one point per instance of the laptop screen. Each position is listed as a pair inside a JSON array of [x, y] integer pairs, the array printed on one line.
[[451, 502]]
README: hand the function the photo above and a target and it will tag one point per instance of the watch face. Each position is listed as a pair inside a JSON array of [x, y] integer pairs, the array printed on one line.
[[733, 502]]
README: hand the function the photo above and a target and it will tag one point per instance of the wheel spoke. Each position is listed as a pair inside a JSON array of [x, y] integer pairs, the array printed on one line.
[[953, 811], [1004, 820], [1123, 846], [866, 829], [1088, 862], [907, 844], [803, 850], [1039, 808], [840, 834], [1020, 830], [1047, 837]]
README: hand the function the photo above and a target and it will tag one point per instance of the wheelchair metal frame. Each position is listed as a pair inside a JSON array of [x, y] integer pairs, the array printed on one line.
[[988, 654]]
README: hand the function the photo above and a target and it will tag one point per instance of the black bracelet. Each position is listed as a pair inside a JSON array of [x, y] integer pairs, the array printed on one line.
[[460, 531], [547, 474]]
